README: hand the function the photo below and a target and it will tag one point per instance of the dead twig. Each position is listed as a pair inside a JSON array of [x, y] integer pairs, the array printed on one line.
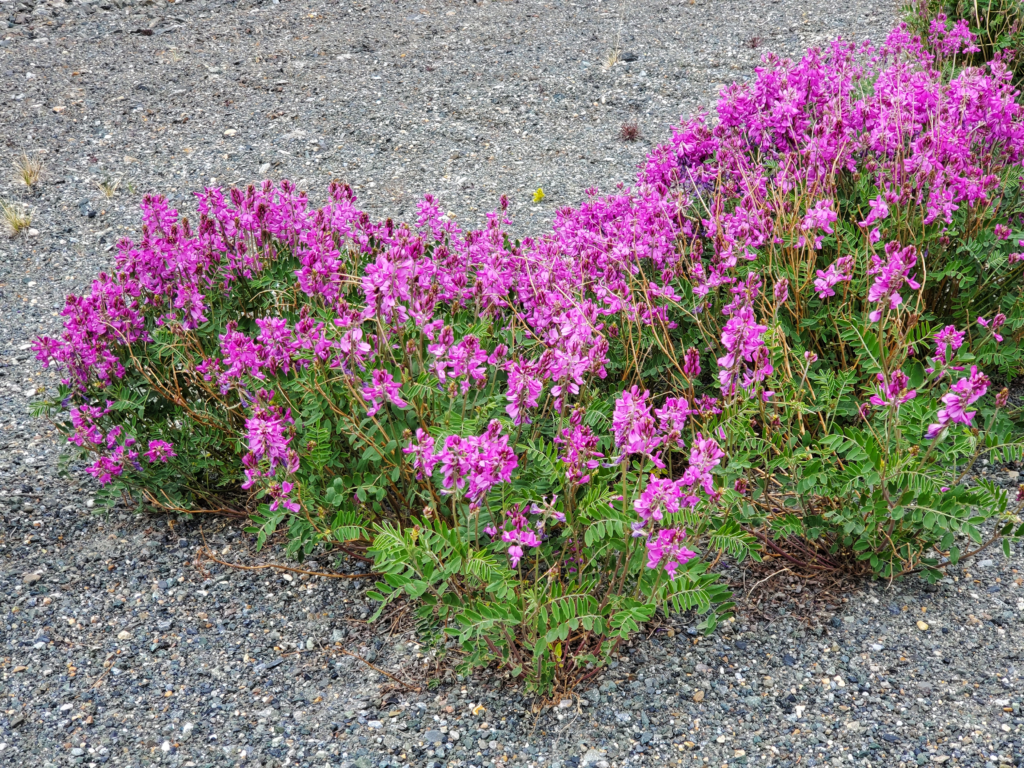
[[388, 675], [204, 552]]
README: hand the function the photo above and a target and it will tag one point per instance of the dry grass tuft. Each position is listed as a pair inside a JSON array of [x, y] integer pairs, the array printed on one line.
[[108, 187], [16, 216], [28, 170]]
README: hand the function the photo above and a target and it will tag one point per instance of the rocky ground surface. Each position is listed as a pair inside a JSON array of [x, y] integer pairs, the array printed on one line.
[[121, 645]]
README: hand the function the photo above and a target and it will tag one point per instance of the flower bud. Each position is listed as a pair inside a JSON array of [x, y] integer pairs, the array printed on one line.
[[1003, 398]]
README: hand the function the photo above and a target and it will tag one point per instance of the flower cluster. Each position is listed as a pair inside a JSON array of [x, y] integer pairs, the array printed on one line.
[[472, 464], [960, 397]]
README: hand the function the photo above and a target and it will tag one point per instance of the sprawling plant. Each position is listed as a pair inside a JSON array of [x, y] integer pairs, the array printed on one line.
[[774, 344], [996, 29]]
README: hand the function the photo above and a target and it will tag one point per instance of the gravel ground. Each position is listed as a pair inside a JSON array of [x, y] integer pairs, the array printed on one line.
[[119, 646]]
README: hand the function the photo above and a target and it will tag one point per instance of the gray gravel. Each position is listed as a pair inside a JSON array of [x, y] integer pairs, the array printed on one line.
[[119, 647]]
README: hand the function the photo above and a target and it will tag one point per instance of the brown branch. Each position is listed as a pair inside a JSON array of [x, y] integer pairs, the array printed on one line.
[[204, 552], [378, 669]]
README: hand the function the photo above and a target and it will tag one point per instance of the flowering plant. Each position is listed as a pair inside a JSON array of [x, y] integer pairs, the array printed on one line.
[[996, 27], [774, 344]]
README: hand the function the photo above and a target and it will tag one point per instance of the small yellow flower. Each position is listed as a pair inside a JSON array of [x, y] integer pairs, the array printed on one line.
[[538, 195]]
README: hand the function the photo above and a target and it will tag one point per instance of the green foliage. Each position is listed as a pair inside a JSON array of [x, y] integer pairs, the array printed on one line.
[[997, 24]]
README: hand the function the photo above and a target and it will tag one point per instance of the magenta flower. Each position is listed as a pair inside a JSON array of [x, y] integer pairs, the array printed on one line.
[[890, 277], [524, 389], [661, 497], [781, 291], [423, 457], [948, 339], [746, 360], [280, 495], [580, 454], [672, 418], [820, 216], [633, 425], [994, 325], [691, 363], [666, 549], [894, 392], [840, 271], [705, 455], [517, 534], [159, 450], [267, 430], [384, 389], [474, 464], [957, 400], [879, 211]]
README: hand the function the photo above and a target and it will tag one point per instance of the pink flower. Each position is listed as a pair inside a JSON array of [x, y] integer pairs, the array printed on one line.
[[840, 271], [996, 323], [705, 455], [894, 392], [821, 216], [781, 291], [281, 497], [422, 452], [961, 396], [879, 210], [633, 425], [383, 389], [515, 554], [580, 453], [949, 338], [661, 497], [691, 363], [890, 277], [672, 418], [667, 548], [746, 360], [159, 450], [524, 388]]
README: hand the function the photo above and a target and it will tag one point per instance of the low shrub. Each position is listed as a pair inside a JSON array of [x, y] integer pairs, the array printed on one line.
[[774, 344], [997, 27]]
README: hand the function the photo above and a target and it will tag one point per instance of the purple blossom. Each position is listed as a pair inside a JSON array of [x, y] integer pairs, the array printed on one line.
[[280, 495], [579, 453], [659, 498], [633, 425], [159, 450], [746, 360], [473, 464], [879, 211], [892, 392], [384, 389], [819, 217], [840, 271], [666, 549], [691, 363], [524, 389], [890, 277], [268, 431], [705, 455], [946, 340], [957, 400], [994, 325]]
